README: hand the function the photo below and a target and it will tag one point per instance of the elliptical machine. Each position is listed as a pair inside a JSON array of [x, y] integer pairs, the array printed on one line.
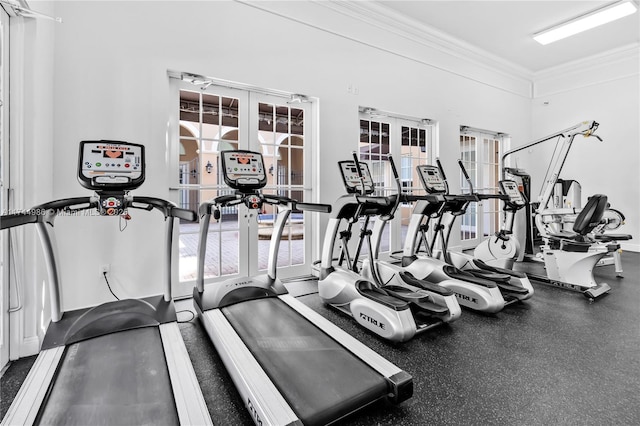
[[502, 250], [394, 312], [514, 286], [426, 273]]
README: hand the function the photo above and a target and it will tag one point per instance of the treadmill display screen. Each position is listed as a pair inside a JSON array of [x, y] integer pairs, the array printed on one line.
[[111, 165], [243, 170]]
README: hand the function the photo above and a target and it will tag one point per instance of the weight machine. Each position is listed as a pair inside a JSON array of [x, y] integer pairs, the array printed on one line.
[[569, 255]]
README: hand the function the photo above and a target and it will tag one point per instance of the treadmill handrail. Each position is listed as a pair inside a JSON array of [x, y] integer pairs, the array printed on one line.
[[239, 197], [46, 212], [210, 208], [43, 215]]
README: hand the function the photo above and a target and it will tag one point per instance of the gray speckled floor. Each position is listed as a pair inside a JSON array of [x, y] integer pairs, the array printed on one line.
[[556, 359]]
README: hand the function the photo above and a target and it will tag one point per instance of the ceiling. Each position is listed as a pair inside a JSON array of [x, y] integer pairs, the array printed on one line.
[[504, 28]]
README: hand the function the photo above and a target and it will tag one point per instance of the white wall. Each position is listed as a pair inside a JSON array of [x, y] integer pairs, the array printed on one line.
[[110, 82], [111, 61], [610, 95]]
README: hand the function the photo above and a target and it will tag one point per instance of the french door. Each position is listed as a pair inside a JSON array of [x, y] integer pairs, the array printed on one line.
[[480, 154], [410, 142], [4, 185], [212, 119]]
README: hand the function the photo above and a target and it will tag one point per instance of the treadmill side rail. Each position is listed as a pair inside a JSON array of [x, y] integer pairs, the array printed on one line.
[[26, 405], [264, 402], [190, 403], [403, 387]]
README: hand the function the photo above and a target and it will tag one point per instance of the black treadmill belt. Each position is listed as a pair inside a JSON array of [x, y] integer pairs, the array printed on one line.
[[318, 377], [116, 379]]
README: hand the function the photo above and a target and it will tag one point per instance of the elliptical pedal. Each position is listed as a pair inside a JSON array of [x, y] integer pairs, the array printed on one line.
[[419, 304], [408, 278], [508, 288], [496, 277]]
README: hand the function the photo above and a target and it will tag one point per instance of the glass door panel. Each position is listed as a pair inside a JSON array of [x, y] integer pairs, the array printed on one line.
[[480, 154], [469, 221], [209, 122], [281, 129], [213, 119], [4, 186]]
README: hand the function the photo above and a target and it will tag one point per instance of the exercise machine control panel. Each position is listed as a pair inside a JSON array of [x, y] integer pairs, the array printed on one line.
[[510, 189], [111, 165], [431, 179], [243, 170], [353, 181]]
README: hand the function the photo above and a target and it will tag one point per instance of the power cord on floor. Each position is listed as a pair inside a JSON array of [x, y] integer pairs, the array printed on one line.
[[109, 285], [193, 315]]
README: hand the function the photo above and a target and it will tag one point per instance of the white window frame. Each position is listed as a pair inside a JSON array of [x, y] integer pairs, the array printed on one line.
[[5, 338], [396, 122], [484, 174], [254, 95]]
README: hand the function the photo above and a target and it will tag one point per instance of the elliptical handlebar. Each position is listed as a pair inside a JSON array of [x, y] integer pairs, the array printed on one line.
[[479, 196], [444, 176], [466, 176], [396, 177], [382, 201], [295, 205], [360, 175]]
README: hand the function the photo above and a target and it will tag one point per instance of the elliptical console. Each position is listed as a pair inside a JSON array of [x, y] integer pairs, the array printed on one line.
[[354, 182], [431, 179], [510, 189]]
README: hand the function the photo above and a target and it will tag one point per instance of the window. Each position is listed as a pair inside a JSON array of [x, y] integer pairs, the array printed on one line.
[[374, 149], [208, 125], [410, 142], [480, 152], [210, 118]]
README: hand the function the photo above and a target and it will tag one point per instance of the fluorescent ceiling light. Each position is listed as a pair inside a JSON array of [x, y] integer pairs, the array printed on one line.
[[586, 22]]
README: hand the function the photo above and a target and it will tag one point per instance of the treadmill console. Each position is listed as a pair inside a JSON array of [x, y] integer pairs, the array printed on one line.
[[243, 170], [352, 180], [111, 165], [431, 179], [510, 188]]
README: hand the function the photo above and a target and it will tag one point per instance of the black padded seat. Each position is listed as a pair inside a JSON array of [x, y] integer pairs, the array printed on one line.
[[589, 217]]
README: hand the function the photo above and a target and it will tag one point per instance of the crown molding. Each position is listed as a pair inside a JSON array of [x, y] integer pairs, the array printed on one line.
[[607, 58], [378, 15], [615, 64], [406, 37], [372, 25]]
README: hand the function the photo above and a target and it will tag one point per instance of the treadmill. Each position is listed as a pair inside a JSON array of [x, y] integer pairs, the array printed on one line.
[[121, 362], [289, 364]]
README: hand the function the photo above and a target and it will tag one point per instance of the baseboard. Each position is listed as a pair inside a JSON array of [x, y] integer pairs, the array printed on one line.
[[29, 346], [628, 246]]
